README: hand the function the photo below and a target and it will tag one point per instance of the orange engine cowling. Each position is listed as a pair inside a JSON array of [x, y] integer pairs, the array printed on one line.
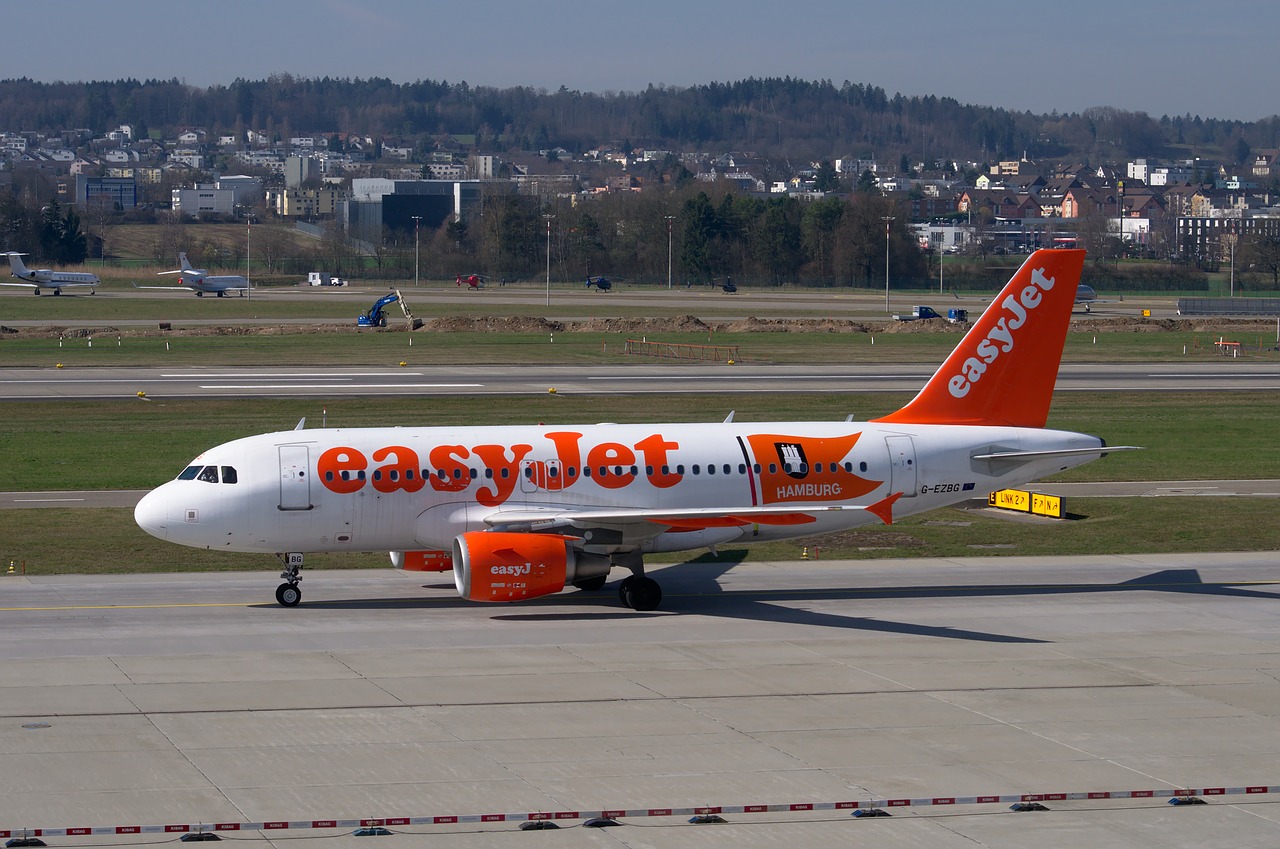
[[430, 560], [498, 566]]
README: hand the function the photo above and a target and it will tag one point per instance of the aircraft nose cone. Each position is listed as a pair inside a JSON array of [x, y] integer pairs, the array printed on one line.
[[151, 514]]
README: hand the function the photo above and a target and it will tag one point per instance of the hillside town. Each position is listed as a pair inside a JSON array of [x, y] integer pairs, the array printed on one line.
[[372, 188]]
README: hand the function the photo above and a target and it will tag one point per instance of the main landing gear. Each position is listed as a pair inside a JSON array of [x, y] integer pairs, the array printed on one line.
[[289, 593], [639, 592]]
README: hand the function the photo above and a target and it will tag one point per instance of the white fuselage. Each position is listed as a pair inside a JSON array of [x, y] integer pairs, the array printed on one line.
[[398, 489]]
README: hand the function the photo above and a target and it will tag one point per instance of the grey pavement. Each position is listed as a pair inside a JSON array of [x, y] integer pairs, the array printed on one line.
[[187, 698]]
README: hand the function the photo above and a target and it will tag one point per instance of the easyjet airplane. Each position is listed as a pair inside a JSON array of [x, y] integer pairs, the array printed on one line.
[[523, 510]]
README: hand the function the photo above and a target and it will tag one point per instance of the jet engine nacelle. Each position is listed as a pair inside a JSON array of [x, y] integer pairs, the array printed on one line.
[[499, 566]]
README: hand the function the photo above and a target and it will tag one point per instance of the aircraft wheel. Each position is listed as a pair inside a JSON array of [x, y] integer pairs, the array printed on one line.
[[199, 294], [57, 291], [220, 294], [591, 584], [36, 292], [642, 594], [623, 588], [288, 595]]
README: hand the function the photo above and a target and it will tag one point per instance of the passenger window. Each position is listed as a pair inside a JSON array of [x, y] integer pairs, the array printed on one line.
[[553, 472], [862, 466], [229, 474], [209, 474], [506, 473], [696, 469], [189, 473], [711, 468]]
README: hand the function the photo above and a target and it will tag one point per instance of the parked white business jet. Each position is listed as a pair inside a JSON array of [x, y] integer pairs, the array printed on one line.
[[201, 281], [523, 510], [45, 278]]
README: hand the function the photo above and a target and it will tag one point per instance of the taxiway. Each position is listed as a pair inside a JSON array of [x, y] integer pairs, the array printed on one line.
[[189, 698]]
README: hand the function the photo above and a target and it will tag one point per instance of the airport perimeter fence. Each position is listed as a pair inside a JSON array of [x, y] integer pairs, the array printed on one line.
[[1268, 307]]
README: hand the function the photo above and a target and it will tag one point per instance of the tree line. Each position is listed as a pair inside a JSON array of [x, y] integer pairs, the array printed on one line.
[[787, 119]]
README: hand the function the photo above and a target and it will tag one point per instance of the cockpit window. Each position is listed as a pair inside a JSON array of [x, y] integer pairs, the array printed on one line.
[[209, 474], [189, 473], [229, 474]]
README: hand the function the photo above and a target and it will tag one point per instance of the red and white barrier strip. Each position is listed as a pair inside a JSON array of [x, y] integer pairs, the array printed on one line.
[[620, 813]]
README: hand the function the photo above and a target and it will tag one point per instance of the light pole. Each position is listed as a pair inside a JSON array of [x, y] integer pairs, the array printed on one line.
[[547, 217], [669, 219], [887, 219], [248, 228], [1231, 239], [941, 242], [417, 219]]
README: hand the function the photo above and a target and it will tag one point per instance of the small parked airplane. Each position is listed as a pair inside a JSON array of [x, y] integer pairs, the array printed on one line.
[[524, 510], [44, 278], [201, 281]]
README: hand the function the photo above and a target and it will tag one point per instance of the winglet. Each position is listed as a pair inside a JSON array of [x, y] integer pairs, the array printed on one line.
[[1004, 369], [883, 508]]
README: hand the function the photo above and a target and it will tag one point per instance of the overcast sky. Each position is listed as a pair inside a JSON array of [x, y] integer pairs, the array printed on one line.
[[1164, 58]]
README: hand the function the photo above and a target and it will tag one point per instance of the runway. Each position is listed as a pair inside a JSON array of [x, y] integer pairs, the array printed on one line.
[[194, 698], [300, 382]]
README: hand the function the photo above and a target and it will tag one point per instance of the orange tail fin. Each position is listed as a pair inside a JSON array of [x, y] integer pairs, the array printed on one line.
[[1003, 371]]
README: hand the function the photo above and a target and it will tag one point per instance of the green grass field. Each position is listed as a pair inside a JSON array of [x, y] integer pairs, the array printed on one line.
[[298, 347], [132, 444], [136, 444]]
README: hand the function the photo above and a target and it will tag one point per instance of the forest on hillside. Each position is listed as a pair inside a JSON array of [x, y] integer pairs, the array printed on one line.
[[786, 119]]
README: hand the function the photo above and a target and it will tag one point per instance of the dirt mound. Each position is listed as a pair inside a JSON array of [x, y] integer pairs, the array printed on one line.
[[1127, 324], [494, 324], [924, 325]]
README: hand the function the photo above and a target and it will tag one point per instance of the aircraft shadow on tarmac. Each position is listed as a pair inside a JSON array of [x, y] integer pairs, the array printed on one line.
[[696, 590]]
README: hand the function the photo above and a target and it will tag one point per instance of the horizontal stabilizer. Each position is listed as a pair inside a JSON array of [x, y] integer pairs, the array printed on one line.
[[1062, 452]]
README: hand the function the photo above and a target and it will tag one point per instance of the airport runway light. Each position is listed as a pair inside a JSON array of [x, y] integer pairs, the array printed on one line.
[[547, 217], [417, 219], [887, 219], [669, 220]]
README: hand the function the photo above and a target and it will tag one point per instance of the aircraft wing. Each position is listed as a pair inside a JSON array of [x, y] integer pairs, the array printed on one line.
[[638, 524], [175, 288], [28, 285], [50, 285]]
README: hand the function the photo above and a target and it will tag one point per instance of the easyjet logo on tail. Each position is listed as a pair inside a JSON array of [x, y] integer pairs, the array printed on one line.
[[1001, 337]]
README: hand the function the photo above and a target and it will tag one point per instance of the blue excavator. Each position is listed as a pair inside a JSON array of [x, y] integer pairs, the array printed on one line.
[[377, 315]]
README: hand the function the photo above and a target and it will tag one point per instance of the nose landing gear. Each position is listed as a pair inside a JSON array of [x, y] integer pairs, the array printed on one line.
[[289, 593]]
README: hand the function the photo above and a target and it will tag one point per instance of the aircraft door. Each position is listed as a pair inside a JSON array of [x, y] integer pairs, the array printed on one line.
[[541, 476], [295, 479], [902, 464]]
